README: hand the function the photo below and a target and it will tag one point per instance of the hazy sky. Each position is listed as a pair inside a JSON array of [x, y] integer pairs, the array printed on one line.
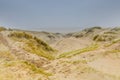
[[59, 15]]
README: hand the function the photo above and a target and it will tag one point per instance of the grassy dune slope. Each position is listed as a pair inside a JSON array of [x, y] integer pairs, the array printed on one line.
[[33, 44]]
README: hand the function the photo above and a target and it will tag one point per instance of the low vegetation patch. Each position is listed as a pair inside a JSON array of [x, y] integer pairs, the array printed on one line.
[[26, 65], [35, 69], [103, 37], [20, 35], [79, 51], [110, 32], [112, 42], [5, 52]]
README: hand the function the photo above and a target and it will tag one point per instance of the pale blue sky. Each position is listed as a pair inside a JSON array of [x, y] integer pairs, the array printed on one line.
[[59, 15]]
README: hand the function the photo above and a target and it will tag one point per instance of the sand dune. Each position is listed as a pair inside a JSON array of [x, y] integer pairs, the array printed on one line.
[[91, 54]]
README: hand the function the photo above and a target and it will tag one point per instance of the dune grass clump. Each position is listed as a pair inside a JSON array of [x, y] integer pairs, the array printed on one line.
[[95, 37], [79, 61], [21, 35], [47, 47], [38, 49], [35, 69], [92, 29], [104, 37], [79, 51], [110, 32]]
